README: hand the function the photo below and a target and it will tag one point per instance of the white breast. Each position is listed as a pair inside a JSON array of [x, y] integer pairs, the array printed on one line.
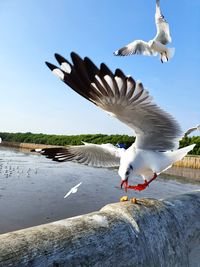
[[158, 47]]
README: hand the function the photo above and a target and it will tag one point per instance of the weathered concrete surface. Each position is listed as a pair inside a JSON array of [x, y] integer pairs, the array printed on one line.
[[150, 233]]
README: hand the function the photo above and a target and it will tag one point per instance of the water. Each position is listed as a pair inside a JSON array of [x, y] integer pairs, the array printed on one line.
[[32, 189]]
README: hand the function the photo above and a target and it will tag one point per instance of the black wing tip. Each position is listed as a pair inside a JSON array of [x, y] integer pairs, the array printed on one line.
[[105, 69], [76, 59], [130, 79], [59, 58], [119, 52], [103, 66], [116, 53], [90, 65], [75, 55], [119, 72], [50, 66]]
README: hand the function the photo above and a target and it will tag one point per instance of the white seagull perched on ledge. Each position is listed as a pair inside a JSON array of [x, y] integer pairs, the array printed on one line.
[[155, 46], [157, 132]]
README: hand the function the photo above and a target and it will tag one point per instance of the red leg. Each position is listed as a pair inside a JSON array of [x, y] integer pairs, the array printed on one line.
[[143, 186], [125, 183]]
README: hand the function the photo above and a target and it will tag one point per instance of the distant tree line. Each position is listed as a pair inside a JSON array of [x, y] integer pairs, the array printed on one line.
[[186, 141], [63, 140]]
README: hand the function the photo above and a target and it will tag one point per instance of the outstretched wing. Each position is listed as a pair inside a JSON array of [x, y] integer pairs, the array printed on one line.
[[163, 34], [123, 98], [76, 186], [137, 47], [105, 155], [190, 130]]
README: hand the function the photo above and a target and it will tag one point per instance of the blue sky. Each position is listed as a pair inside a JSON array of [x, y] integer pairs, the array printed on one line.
[[32, 99]]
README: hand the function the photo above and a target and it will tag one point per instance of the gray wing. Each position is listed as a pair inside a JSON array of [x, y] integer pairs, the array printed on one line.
[[137, 47], [89, 154], [190, 130], [163, 33], [123, 98]]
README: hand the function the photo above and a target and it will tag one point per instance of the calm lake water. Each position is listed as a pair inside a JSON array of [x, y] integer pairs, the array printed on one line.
[[32, 189]]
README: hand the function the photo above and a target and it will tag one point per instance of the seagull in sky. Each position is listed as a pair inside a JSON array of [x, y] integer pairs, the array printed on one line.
[[157, 132], [73, 190], [155, 46], [190, 130]]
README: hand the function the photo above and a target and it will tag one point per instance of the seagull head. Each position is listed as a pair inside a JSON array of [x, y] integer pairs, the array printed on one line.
[[124, 174]]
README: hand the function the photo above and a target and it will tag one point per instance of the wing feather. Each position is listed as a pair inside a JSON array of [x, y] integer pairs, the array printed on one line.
[[127, 100], [163, 33], [137, 47], [88, 154]]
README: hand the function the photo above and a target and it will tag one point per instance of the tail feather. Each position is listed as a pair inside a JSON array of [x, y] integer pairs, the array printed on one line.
[[169, 54], [179, 154]]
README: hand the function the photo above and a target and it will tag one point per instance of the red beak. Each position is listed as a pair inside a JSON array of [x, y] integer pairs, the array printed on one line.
[[125, 183]]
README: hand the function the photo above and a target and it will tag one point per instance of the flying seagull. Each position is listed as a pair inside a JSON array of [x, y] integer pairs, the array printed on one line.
[[73, 190], [190, 130], [157, 132], [155, 46]]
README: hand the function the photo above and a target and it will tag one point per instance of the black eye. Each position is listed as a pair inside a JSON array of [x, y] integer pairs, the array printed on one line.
[[131, 167], [127, 173]]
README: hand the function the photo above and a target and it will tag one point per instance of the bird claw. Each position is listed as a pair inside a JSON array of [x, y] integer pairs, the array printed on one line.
[[143, 186], [139, 187], [125, 184]]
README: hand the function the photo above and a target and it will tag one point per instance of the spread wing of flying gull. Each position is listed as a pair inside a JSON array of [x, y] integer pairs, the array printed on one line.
[[157, 132], [155, 46], [191, 130]]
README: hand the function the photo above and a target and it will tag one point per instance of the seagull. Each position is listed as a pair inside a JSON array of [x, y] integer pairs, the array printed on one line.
[[190, 130], [155, 46], [157, 132], [73, 190]]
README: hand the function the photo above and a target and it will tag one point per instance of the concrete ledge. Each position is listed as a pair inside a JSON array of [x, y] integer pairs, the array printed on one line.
[[150, 233]]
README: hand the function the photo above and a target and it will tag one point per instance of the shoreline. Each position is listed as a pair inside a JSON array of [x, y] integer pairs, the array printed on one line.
[[190, 161], [183, 169], [187, 169], [26, 146]]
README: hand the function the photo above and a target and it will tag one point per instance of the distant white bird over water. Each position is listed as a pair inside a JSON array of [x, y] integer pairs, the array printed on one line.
[[157, 132], [73, 190], [155, 46]]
